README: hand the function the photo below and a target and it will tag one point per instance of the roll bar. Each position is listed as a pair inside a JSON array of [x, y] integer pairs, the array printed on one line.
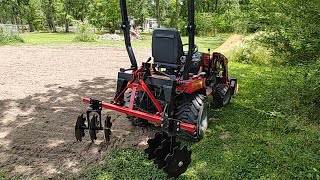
[[125, 26], [191, 32]]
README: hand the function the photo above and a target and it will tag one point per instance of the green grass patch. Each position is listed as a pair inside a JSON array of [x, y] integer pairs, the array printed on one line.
[[260, 135], [48, 38], [2, 175], [126, 164], [68, 39]]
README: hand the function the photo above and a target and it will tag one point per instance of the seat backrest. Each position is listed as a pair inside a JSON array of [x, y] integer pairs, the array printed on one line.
[[167, 46]]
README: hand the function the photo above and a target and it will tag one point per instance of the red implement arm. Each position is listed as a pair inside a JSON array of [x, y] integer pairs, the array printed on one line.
[[149, 117]]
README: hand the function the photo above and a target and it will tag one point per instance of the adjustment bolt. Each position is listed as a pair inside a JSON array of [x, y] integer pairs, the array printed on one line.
[[178, 129], [180, 164]]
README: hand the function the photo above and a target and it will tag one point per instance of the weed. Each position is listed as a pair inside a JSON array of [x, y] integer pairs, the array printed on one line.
[[85, 33], [9, 36]]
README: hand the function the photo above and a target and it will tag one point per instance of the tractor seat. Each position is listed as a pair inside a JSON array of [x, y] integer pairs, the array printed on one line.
[[167, 48]]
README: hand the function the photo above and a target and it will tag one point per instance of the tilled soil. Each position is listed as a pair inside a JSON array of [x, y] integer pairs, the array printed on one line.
[[40, 98]]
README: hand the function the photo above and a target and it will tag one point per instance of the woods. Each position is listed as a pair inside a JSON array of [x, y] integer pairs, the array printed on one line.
[[291, 26], [224, 15]]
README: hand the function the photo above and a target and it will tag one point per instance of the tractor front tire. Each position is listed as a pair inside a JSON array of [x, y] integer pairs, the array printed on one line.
[[193, 109], [221, 96]]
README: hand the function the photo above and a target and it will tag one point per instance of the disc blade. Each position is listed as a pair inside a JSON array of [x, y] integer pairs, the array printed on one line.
[[107, 133], [162, 152], [108, 123], [107, 130], [79, 133], [92, 132], [177, 162], [153, 145]]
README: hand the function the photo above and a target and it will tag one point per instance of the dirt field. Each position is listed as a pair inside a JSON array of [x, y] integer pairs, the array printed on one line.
[[40, 97]]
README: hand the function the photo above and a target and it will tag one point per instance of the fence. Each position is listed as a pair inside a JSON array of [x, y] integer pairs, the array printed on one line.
[[10, 27]]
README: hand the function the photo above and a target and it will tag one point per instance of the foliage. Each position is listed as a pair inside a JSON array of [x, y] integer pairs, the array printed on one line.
[[8, 35], [105, 14], [292, 28], [126, 164], [85, 33], [251, 52], [138, 9], [310, 92], [2, 175]]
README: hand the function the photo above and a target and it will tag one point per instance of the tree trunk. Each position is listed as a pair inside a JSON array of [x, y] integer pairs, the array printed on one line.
[[216, 6], [177, 13], [31, 27], [53, 25], [51, 18], [15, 16], [67, 9], [22, 26], [30, 19], [158, 13], [67, 26]]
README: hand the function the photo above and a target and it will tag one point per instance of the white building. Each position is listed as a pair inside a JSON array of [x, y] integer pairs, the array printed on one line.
[[150, 24]]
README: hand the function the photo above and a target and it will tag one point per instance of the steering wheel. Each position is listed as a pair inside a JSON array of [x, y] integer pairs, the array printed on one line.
[[195, 49]]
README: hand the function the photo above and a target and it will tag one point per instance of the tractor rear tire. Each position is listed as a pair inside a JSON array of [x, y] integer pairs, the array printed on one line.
[[193, 110], [134, 120], [222, 96]]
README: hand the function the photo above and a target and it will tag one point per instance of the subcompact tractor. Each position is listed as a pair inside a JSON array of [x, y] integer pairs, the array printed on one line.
[[171, 92]]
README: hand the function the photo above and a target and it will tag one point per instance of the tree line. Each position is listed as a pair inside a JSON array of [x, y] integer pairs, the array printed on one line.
[[211, 15], [292, 26]]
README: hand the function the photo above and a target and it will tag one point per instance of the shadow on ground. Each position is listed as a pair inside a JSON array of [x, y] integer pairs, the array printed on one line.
[[37, 132]]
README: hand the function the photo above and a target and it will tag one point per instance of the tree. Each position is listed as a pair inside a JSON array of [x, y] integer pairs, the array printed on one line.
[[31, 13], [139, 9], [292, 28], [158, 13], [105, 14], [48, 7]]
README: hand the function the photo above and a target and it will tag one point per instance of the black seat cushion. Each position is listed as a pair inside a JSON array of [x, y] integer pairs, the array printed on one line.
[[167, 46]]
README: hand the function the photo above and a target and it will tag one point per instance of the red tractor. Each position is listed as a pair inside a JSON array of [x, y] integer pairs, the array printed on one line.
[[172, 92]]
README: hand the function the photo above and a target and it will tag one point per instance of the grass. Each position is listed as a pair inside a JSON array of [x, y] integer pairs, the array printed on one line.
[[2, 175], [68, 39], [257, 136]]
